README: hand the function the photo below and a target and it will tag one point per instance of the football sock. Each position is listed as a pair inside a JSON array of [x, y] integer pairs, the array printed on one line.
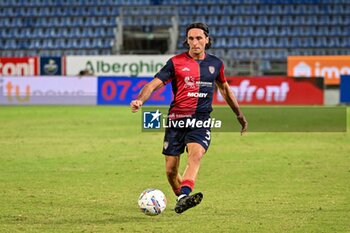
[[186, 190], [187, 187]]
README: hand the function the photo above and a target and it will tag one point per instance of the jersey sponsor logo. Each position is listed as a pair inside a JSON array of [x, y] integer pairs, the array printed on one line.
[[189, 82], [211, 69], [186, 69], [197, 94], [204, 84]]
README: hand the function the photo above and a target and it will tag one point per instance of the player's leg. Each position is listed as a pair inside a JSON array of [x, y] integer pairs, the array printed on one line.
[[185, 201], [195, 154], [172, 172], [173, 146], [197, 142], [185, 183]]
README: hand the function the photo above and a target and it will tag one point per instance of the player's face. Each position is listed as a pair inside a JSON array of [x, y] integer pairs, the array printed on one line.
[[197, 40]]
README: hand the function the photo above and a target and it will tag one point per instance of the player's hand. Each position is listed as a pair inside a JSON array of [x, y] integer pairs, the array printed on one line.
[[135, 105], [244, 123]]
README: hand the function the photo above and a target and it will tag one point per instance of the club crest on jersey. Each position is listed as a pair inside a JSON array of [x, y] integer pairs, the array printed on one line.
[[211, 69]]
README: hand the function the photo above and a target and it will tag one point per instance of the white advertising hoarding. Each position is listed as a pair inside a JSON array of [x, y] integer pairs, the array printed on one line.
[[48, 90], [121, 65]]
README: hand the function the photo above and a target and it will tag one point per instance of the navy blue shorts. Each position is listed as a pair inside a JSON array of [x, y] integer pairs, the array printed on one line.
[[176, 139]]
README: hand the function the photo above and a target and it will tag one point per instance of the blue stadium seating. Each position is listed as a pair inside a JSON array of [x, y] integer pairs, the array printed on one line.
[[262, 29]]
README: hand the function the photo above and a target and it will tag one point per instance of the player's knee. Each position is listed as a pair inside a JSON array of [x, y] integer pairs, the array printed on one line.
[[196, 156], [196, 152]]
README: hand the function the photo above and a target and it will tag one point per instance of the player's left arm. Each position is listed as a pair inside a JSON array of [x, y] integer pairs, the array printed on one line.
[[231, 100]]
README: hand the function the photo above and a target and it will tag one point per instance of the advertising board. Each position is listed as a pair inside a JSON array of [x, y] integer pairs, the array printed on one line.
[[51, 66], [19, 66], [275, 91], [122, 90], [345, 89], [328, 67], [121, 65], [48, 90]]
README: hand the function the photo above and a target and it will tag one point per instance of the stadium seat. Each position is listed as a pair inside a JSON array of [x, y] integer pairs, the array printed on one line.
[[284, 25], [10, 44], [225, 20], [266, 54], [264, 65], [320, 42], [219, 52]]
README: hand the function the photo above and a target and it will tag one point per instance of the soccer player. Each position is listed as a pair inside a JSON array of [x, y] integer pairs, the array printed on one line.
[[192, 75]]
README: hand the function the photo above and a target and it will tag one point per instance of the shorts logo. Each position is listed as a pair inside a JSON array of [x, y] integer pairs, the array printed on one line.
[[166, 144], [151, 120], [211, 69]]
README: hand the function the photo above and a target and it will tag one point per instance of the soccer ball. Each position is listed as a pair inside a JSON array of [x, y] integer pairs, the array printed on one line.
[[152, 202]]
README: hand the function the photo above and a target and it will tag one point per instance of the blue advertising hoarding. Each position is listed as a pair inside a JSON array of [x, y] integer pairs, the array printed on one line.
[[122, 90], [345, 89], [50, 66]]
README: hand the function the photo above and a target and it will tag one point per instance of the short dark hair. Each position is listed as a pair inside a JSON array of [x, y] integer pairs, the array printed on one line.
[[202, 26]]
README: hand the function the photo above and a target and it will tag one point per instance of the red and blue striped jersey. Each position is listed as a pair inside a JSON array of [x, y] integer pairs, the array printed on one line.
[[192, 81]]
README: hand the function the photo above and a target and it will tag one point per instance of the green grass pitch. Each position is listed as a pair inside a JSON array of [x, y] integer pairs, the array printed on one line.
[[81, 169]]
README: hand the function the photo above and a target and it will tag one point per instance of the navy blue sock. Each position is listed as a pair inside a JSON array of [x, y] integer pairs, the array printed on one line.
[[186, 190]]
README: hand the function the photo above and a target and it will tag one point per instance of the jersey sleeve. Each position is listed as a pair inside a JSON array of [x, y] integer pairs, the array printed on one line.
[[166, 74], [221, 77]]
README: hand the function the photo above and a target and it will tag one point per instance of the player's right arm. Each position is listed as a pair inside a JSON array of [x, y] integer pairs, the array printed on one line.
[[145, 93]]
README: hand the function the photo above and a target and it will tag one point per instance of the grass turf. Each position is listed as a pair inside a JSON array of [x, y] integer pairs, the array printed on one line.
[[81, 169]]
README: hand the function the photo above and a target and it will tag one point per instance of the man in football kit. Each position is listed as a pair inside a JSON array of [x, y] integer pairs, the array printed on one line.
[[192, 75]]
